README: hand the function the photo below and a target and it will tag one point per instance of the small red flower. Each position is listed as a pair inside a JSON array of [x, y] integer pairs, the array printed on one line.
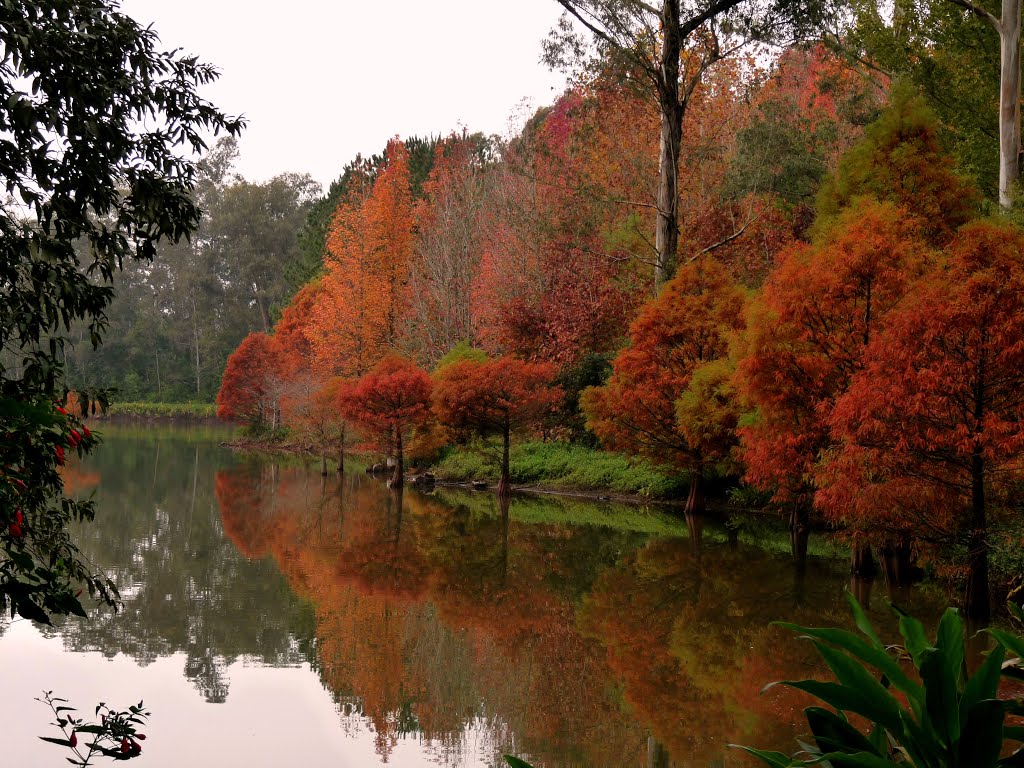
[[86, 433], [140, 736], [16, 531], [18, 517], [74, 438], [58, 409], [74, 739], [125, 746], [59, 450]]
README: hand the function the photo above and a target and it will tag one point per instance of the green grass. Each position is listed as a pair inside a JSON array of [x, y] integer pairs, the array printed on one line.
[[560, 465], [164, 410]]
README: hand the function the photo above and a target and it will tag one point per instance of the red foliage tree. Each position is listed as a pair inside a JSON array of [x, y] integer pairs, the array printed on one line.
[[389, 402], [808, 331], [496, 397], [934, 422], [251, 387], [687, 327]]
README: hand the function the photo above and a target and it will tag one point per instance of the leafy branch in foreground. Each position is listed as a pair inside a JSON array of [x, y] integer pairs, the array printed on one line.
[[941, 716], [115, 736]]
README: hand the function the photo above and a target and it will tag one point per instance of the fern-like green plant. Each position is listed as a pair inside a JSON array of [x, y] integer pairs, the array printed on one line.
[[936, 717]]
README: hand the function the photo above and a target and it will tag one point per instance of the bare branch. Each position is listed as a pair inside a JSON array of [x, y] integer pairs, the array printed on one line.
[[981, 13]]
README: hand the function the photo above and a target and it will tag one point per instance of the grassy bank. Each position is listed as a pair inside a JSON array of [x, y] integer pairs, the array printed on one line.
[[559, 466], [163, 410]]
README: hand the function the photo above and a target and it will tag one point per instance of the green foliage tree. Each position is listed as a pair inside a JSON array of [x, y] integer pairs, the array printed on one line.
[[89, 186]]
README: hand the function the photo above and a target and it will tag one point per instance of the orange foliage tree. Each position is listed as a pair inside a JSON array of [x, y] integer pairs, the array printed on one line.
[[933, 423], [369, 247], [388, 403], [251, 388], [687, 327], [496, 397]]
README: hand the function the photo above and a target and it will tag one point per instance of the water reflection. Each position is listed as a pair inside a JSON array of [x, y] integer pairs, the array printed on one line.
[[452, 624]]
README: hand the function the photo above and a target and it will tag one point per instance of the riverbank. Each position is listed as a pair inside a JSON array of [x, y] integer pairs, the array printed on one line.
[[162, 411]]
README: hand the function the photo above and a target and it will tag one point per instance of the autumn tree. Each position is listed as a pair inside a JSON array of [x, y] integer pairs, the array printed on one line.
[[808, 330], [496, 397], [448, 249], [939, 403], [668, 47], [316, 414], [250, 390], [388, 403], [369, 248], [688, 327], [900, 159]]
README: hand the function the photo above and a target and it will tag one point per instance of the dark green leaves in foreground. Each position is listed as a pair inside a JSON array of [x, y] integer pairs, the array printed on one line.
[[943, 718]]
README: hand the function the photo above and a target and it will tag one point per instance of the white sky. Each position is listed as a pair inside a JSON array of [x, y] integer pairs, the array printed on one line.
[[320, 80]]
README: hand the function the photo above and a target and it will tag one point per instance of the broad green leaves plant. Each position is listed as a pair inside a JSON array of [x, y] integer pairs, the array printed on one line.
[[939, 716]]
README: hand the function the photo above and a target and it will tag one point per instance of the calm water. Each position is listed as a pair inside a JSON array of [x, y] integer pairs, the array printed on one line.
[[273, 618]]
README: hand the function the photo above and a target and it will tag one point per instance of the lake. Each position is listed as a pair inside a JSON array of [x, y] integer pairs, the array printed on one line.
[[273, 617]]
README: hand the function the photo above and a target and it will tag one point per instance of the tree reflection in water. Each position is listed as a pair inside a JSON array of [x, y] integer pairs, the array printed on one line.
[[472, 625]]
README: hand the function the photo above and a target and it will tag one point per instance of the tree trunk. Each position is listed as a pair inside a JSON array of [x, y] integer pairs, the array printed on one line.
[[978, 606], [862, 563], [695, 502], [504, 482], [657, 755], [323, 464], [666, 236], [341, 461], [398, 478], [1009, 101]]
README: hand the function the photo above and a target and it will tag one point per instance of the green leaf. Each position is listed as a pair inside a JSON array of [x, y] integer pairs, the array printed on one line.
[[983, 684], [950, 640], [860, 760], [941, 696], [1013, 643], [982, 739], [861, 620], [834, 734], [913, 635], [58, 742], [878, 704], [869, 654]]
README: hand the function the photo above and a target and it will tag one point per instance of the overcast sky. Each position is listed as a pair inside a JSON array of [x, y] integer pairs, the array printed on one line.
[[320, 81]]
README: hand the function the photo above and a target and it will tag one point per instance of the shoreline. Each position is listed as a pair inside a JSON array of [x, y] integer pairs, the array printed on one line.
[[716, 507]]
